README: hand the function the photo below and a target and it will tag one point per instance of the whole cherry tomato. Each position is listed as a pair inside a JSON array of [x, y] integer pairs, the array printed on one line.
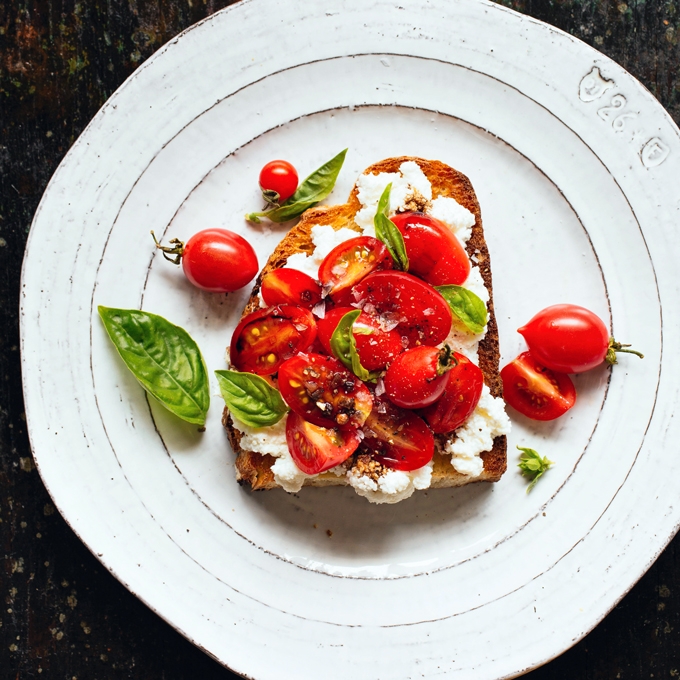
[[323, 391], [397, 438], [536, 391], [265, 338], [462, 391], [375, 346], [350, 262], [434, 252], [278, 181], [570, 339], [315, 449], [216, 260], [417, 377], [286, 286], [422, 316]]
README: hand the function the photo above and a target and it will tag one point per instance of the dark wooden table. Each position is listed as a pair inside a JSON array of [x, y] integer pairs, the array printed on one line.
[[63, 615]]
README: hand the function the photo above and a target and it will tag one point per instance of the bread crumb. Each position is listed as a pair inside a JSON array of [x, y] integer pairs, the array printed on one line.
[[367, 466], [329, 533]]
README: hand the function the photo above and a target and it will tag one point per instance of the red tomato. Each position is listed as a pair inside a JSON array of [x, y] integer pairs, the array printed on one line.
[[323, 391], [536, 391], [570, 339], [417, 377], [397, 438], [267, 337], [216, 260], [462, 391], [375, 349], [350, 262], [434, 252], [315, 449], [290, 287], [422, 315], [278, 177]]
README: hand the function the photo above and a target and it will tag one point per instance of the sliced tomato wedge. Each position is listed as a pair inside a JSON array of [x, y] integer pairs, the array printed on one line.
[[375, 345], [350, 262], [434, 252], [397, 438], [315, 449], [287, 286], [462, 391], [422, 315], [267, 337], [323, 391], [536, 391]]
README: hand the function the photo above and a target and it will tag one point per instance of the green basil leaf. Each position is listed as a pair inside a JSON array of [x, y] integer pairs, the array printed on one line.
[[467, 306], [312, 190], [387, 232], [251, 398], [344, 347], [164, 359]]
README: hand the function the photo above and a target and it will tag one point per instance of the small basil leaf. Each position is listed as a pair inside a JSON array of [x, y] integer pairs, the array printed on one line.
[[251, 398], [164, 359], [387, 232], [467, 306], [344, 347], [312, 190]]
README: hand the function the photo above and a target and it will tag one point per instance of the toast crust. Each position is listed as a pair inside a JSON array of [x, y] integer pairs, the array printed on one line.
[[254, 469]]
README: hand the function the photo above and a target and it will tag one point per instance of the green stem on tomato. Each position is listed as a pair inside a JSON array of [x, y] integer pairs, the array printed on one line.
[[446, 360], [615, 347], [177, 249]]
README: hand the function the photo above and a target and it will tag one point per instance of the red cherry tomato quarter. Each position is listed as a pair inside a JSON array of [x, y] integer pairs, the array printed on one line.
[[375, 346], [350, 262], [420, 313], [567, 338], [279, 177], [315, 449], [290, 287], [324, 392], [462, 391], [536, 391], [397, 438], [219, 261], [267, 337], [434, 252], [417, 377]]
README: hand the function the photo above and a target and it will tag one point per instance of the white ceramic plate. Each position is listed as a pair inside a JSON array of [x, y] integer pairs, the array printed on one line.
[[575, 165]]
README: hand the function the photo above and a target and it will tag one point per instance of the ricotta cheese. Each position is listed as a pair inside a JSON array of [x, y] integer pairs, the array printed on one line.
[[459, 219], [487, 421], [393, 486]]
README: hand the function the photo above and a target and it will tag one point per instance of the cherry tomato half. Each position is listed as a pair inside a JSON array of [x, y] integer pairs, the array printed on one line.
[[375, 346], [350, 262], [397, 438], [315, 449], [286, 286], [278, 177], [417, 377], [462, 391], [423, 316], [536, 391], [267, 337], [567, 338], [218, 260], [434, 252], [323, 391]]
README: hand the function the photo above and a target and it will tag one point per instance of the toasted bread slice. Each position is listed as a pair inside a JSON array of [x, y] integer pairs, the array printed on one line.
[[254, 469]]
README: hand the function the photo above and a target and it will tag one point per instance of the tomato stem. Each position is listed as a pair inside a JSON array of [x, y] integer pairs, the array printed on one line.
[[615, 347], [271, 198], [446, 360], [177, 249]]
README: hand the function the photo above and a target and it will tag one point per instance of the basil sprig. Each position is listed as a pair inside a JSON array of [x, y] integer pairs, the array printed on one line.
[[467, 306], [164, 359], [251, 398], [312, 190], [387, 232], [344, 347]]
